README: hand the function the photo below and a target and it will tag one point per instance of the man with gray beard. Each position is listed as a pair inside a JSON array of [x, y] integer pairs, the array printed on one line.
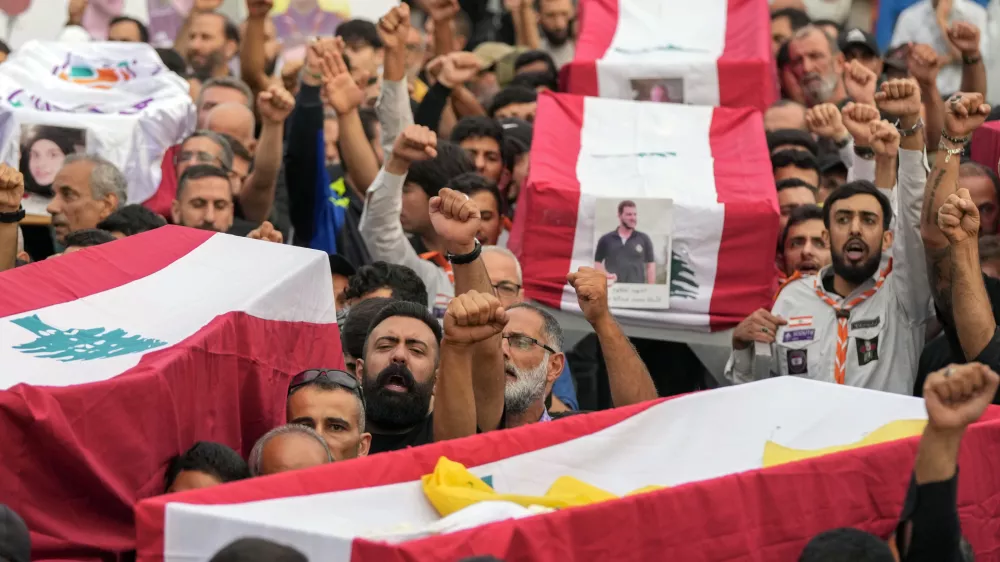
[[818, 65]]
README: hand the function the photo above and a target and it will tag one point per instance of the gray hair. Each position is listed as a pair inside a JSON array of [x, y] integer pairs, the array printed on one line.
[[257, 454], [105, 178], [802, 32], [226, 82], [551, 330], [227, 149], [505, 252]]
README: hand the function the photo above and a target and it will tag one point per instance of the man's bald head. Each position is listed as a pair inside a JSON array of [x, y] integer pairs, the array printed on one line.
[[233, 119], [289, 447], [785, 114]]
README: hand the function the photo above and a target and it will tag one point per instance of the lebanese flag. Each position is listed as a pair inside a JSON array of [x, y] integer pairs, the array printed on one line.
[[713, 164], [714, 52], [117, 357], [707, 448]]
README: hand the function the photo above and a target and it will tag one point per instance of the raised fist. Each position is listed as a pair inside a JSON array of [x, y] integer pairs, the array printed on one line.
[[824, 121], [899, 97], [266, 232], [923, 63], [857, 119], [958, 395], [340, 90], [275, 104], [394, 26], [958, 218], [473, 317], [885, 138], [414, 144], [591, 287], [455, 217], [11, 189], [760, 326], [964, 113], [860, 82], [965, 37], [259, 8], [454, 69], [206, 5], [442, 10]]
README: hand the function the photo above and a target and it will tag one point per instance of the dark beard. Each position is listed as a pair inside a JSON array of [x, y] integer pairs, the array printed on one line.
[[204, 71], [856, 274], [396, 411], [556, 38]]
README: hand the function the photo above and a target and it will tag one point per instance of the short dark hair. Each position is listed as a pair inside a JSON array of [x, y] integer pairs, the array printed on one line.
[[535, 79], [232, 30], [796, 18], [173, 61], [408, 310], [88, 237], [533, 56], [796, 158], [257, 550], [239, 149], [359, 31], [214, 459], [511, 95], [799, 215], [198, 172], [479, 126], [143, 30], [858, 187], [781, 60], [471, 183], [132, 219], [972, 169], [405, 284], [792, 183], [846, 545], [355, 330], [794, 137], [431, 175], [624, 204]]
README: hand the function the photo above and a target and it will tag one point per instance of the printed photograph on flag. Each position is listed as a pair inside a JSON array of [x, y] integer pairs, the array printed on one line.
[[165, 18], [632, 245], [297, 21], [43, 149], [664, 90]]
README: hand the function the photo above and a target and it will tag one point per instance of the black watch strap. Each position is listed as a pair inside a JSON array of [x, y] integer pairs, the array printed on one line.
[[465, 259], [10, 218]]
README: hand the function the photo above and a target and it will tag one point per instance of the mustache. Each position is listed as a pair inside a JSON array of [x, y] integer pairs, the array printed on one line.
[[398, 371]]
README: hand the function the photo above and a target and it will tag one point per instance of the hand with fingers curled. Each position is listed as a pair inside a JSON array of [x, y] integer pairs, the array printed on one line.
[[958, 218], [456, 219], [394, 26], [899, 97], [11, 189], [761, 326], [858, 118], [824, 120], [267, 232], [964, 113], [860, 82], [884, 138], [275, 104], [957, 395], [473, 317], [591, 286]]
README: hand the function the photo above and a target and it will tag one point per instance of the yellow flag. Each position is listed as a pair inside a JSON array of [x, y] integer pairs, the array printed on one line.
[[775, 454]]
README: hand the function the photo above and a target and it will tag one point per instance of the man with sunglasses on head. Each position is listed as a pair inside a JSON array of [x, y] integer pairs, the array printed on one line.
[[330, 401]]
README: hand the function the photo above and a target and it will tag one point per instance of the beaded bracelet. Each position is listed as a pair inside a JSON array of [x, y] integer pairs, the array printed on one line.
[[955, 140]]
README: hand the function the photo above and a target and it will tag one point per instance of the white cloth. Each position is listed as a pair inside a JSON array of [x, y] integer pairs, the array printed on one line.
[[918, 24]]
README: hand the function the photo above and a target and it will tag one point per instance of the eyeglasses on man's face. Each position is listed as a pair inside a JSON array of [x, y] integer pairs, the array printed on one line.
[[522, 342], [507, 289]]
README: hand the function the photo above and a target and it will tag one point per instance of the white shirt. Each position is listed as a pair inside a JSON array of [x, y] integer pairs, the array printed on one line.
[[561, 55], [918, 24]]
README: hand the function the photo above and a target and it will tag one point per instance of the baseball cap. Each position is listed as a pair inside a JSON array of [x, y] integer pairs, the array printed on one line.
[[518, 132], [855, 37], [491, 52], [829, 162], [340, 266], [15, 542]]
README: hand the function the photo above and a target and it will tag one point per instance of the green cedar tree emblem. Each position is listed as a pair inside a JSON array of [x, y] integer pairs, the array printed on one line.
[[80, 344], [682, 281]]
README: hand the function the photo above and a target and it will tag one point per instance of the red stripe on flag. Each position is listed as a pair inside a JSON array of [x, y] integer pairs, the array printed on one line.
[[95, 270], [747, 74], [598, 20], [379, 470], [77, 458], [548, 208], [742, 170]]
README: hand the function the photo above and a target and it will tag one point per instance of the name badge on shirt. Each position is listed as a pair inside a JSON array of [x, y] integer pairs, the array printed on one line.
[[863, 324], [799, 335]]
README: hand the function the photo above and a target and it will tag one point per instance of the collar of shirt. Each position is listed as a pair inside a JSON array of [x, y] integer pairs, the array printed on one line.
[[826, 281], [545, 416]]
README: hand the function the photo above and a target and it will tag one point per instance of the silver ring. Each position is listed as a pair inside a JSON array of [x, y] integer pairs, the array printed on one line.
[[948, 372]]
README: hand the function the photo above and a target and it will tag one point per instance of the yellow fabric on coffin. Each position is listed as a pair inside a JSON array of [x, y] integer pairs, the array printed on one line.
[[775, 454], [451, 487]]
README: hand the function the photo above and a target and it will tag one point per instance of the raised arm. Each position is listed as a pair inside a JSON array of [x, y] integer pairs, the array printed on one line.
[[11, 192], [522, 12], [971, 44], [627, 373], [443, 13], [963, 114], [923, 64], [885, 142], [472, 318], [253, 60], [257, 196], [857, 118], [393, 107], [345, 96]]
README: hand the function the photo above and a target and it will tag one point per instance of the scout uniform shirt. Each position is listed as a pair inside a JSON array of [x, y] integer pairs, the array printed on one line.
[[871, 338]]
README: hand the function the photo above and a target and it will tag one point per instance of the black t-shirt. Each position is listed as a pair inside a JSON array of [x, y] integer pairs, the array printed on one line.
[[420, 434], [626, 259]]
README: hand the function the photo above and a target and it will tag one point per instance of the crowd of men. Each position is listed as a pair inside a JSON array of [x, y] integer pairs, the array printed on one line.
[[427, 120]]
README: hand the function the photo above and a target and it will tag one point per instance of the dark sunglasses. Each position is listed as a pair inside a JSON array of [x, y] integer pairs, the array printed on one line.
[[335, 376]]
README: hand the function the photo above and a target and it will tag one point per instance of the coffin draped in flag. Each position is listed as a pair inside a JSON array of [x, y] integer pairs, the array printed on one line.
[[117, 357], [712, 163], [706, 448], [115, 100], [715, 52]]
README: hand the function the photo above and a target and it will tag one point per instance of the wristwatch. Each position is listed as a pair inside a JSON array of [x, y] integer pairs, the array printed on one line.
[[13, 217], [843, 142], [465, 259], [864, 152], [967, 60]]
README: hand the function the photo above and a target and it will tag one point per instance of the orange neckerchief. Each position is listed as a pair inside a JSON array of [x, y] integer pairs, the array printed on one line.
[[441, 261]]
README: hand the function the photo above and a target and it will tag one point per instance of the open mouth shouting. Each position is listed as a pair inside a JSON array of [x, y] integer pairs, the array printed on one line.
[[855, 250], [809, 267]]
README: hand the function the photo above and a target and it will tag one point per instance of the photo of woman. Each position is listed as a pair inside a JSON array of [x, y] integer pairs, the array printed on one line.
[[43, 149]]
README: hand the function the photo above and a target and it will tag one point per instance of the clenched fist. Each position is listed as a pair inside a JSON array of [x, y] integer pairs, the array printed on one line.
[[591, 287], [442, 10], [860, 81], [958, 395], [11, 189], [857, 119], [964, 113], [414, 144], [885, 138], [259, 8], [923, 63], [473, 317], [899, 97], [456, 220], [824, 121], [958, 218], [275, 104], [760, 326], [455, 69], [266, 232], [394, 26], [965, 37]]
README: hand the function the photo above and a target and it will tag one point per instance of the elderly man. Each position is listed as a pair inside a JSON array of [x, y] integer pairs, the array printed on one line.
[[330, 402], [286, 448], [88, 189], [817, 64]]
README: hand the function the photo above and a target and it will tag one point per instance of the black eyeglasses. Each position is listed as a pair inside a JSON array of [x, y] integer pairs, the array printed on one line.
[[507, 289], [524, 343], [335, 376]]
